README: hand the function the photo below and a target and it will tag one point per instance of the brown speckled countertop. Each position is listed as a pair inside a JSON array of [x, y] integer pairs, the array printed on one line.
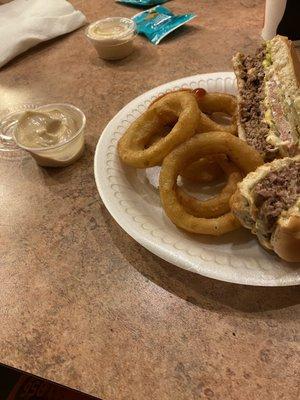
[[84, 305]]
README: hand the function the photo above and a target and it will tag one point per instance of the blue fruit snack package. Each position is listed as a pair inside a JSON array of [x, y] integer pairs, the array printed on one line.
[[158, 22]]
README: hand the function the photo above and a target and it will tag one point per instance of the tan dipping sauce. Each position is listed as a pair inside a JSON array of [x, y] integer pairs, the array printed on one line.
[[108, 31], [112, 37], [52, 135], [44, 128]]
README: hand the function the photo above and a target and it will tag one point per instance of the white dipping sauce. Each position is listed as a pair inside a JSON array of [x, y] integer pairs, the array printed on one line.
[[52, 134], [44, 128]]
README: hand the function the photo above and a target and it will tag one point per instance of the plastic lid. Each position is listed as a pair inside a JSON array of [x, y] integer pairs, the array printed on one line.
[[111, 28]]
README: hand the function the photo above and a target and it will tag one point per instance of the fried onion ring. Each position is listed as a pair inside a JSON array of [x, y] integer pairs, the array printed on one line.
[[211, 103], [172, 91], [245, 157], [205, 170], [217, 205], [179, 110]]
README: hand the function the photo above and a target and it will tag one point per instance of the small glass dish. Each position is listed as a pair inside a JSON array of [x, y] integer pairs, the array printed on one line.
[[113, 38], [66, 152]]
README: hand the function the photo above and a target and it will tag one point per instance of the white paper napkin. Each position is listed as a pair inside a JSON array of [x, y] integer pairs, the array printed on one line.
[[25, 23]]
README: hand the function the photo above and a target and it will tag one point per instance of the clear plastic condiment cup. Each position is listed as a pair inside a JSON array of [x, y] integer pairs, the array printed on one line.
[[66, 152], [113, 38]]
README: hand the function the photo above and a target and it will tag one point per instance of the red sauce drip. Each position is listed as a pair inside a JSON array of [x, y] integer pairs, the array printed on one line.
[[200, 93]]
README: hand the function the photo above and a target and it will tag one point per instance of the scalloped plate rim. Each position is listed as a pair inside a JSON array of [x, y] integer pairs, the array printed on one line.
[[158, 248]]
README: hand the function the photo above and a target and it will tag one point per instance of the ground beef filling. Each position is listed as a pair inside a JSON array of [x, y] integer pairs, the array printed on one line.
[[251, 106], [277, 192]]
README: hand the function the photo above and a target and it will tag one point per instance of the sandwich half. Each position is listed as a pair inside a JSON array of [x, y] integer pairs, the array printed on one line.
[[269, 98], [267, 201]]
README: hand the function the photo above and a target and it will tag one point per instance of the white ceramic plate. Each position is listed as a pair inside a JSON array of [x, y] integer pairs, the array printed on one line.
[[135, 205]]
